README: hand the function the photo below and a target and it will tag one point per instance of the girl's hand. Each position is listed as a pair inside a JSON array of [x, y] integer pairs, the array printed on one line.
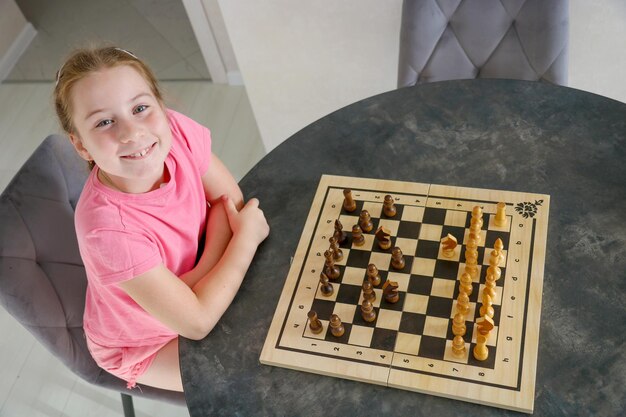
[[250, 220]]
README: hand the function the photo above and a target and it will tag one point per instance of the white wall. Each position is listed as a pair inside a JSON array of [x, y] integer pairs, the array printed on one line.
[[15, 35], [597, 47], [301, 60]]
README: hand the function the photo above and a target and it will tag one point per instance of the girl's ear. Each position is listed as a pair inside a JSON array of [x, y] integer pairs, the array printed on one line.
[[78, 145]]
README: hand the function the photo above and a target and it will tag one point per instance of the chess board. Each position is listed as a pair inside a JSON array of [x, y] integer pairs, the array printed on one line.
[[408, 346]]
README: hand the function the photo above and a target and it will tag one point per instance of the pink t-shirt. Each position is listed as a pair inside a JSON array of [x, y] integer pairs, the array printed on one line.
[[124, 235]]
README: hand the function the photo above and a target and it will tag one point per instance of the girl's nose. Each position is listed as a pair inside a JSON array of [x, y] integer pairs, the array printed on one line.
[[129, 132]]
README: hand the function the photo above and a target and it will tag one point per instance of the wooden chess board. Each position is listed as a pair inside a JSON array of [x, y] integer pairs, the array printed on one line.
[[408, 346]]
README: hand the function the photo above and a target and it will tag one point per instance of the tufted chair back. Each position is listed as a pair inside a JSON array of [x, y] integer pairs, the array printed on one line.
[[42, 278], [458, 39]]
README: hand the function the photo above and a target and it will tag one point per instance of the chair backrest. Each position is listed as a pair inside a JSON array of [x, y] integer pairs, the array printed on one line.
[[459, 39], [42, 277]]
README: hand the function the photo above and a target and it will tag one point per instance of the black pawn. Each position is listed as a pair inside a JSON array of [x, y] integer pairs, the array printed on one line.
[[368, 291], [367, 311], [365, 221], [336, 326], [357, 235], [325, 286], [314, 323]]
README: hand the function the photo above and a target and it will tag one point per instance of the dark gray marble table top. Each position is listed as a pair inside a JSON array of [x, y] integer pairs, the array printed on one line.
[[499, 134]]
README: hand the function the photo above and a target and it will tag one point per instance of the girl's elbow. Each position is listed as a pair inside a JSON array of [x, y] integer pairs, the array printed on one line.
[[199, 330]]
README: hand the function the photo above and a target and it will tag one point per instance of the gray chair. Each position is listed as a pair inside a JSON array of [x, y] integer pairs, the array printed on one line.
[[42, 278], [460, 39]]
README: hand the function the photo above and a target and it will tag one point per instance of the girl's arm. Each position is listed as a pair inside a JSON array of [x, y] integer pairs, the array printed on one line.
[[218, 183], [193, 312]]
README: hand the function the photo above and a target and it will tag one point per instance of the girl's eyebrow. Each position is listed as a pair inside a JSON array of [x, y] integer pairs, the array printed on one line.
[[130, 101]]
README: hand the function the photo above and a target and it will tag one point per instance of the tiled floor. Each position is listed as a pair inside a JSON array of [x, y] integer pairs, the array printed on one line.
[[32, 382]]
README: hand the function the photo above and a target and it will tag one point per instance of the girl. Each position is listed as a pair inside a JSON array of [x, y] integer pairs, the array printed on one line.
[[162, 228]]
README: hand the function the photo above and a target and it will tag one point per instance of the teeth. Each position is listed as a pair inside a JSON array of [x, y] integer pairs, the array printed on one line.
[[140, 154]]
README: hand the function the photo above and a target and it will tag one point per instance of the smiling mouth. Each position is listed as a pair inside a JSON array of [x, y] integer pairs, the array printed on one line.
[[141, 153]]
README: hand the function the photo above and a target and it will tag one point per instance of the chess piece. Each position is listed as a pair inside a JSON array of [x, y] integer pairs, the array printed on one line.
[[330, 269], [339, 234], [325, 286], [462, 303], [365, 221], [389, 208], [458, 346], [490, 285], [383, 236], [500, 219], [367, 311], [458, 324], [466, 283], [337, 252], [485, 325], [397, 260], [390, 292], [372, 275], [481, 352], [476, 224], [448, 244], [494, 260], [357, 235], [314, 323], [499, 246], [487, 308], [336, 326], [368, 291], [471, 257], [348, 202]]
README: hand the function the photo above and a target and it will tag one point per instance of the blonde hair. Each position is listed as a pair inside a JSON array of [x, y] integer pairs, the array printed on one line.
[[85, 61]]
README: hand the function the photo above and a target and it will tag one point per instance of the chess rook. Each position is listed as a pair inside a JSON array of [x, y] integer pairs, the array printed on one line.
[[349, 204], [500, 219]]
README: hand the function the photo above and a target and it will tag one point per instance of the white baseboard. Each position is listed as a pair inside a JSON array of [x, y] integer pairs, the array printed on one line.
[[15, 51]]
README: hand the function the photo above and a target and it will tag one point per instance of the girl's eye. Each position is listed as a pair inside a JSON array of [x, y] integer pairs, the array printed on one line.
[[104, 123], [140, 108]]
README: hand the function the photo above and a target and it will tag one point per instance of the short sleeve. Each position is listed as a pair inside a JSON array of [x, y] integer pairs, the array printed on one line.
[[194, 136], [116, 256]]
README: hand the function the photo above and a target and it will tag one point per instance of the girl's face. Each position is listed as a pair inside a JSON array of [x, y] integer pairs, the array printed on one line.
[[122, 127]]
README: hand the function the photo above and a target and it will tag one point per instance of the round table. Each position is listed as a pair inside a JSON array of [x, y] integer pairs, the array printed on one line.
[[497, 134]]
